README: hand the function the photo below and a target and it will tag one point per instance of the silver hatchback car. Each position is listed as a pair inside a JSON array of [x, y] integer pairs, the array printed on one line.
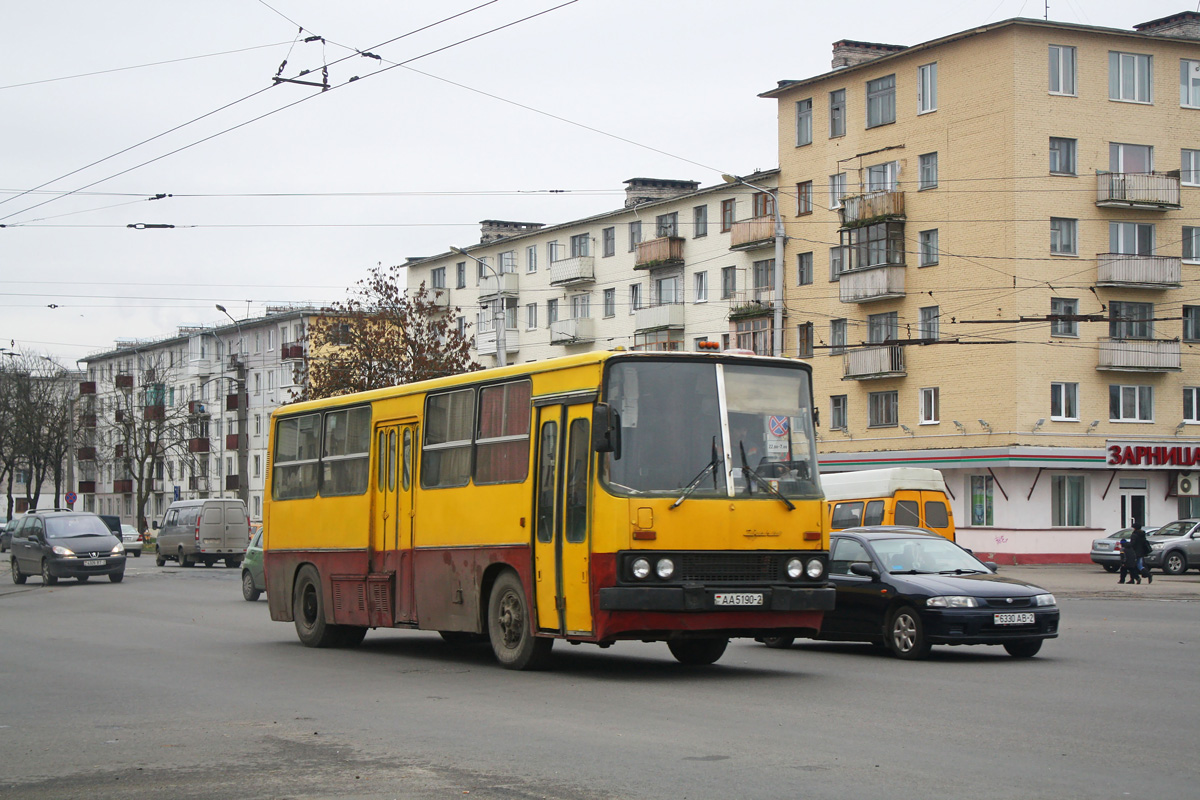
[[1175, 547]]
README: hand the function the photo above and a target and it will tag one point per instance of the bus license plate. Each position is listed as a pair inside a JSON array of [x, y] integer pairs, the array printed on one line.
[[1014, 619], [99, 563], [738, 599]]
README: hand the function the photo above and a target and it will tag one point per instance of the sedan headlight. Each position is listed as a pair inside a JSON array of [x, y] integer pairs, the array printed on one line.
[[59, 550], [952, 601], [1157, 546], [795, 568], [640, 568], [1044, 600], [665, 568], [120, 548]]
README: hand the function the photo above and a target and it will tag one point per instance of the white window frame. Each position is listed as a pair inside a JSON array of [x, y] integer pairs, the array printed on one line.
[[1119, 152], [1189, 167], [1191, 323], [1060, 306], [728, 282], [929, 324], [1066, 491], [608, 242], [581, 306], [881, 101], [700, 287], [531, 316], [635, 297], [804, 268], [551, 311], [1065, 396], [1126, 238], [837, 113], [927, 88], [930, 405], [1189, 83], [928, 251], [837, 190], [610, 303], [1064, 236], [1067, 150], [1191, 244], [531, 258], [699, 221], [1120, 67], [839, 418], [804, 122], [1138, 398], [1062, 76], [883, 177], [837, 336], [1191, 404], [927, 171], [883, 409]]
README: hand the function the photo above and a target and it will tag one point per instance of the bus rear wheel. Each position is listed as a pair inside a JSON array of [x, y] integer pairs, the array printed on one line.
[[697, 652], [510, 627], [308, 608]]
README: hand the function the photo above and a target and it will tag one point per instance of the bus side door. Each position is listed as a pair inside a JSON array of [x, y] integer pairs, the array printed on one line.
[[392, 522], [562, 588]]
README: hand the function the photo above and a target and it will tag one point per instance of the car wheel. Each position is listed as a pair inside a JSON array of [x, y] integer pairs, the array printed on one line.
[[116, 577], [47, 578], [233, 563], [159, 558], [1023, 648], [510, 627], [697, 652], [249, 593], [17, 575], [308, 607], [1175, 563], [778, 642], [906, 634], [82, 578], [184, 560], [137, 553], [1111, 567]]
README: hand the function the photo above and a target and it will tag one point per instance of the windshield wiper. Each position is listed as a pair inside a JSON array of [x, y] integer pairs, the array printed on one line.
[[761, 481], [710, 466], [961, 571]]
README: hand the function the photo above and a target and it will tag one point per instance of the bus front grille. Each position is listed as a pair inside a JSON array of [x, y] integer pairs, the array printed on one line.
[[719, 567]]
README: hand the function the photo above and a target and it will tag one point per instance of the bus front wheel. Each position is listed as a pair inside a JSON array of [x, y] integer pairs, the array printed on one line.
[[308, 607], [510, 627], [697, 652]]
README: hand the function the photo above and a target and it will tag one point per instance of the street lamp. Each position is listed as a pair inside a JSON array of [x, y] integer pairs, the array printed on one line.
[[780, 236], [502, 353]]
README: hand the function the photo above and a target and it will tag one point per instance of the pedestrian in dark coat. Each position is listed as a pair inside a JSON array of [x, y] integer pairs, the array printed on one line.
[[1129, 563], [1141, 548]]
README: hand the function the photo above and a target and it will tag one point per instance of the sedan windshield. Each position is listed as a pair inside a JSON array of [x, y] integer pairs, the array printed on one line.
[[69, 527], [926, 555]]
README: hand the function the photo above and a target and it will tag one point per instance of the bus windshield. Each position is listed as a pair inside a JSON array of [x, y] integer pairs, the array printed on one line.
[[745, 430]]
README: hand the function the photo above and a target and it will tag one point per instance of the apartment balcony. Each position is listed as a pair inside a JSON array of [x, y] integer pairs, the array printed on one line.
[[233, 441], [149, 376], [509, 285], [118, 451], [85, 454], [752, 234], [119, 415], [665, 251], [1121, 270], [1140, 355], [651, 318], [1149, 191], [865, 209], [231, 402], [295, 351], [868, 363], [198, 483], [154, 412], [485, 342], [573, 271], [87, 487], [200, 368], [232, 483], [868, 284], [123, 486], [233, 361], [572, 331], [87, 387], [756, 302], [123, 381], [195, 408], [198, 444], [87, 420]]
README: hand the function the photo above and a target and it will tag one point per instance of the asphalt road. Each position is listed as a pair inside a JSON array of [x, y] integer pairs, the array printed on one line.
[[169, 685]]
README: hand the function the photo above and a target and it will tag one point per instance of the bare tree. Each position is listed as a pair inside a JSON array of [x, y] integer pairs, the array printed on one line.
[[35, 424]]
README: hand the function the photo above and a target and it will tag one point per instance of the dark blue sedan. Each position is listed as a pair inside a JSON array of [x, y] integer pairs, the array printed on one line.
[[909, 589]]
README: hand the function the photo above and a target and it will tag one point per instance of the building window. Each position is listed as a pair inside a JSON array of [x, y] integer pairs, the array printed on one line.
[[635, 297], [754, 334], [837, 113], [530, 316], [927, 88], [837, 262], [1189, 83], [462, 326], [804, 268], [837, 336], [1130, 320], [635, 235], [882, 328], [804, 198], [1062, 156], [1189, 167], [728, 282], [1067, 500], [804, 122], [882, 177], [981, 500], [1131, 238], [659, 340], [874, 245], [581, 306], [763, 274], [699, 221], [837, 412], [437, 278], [927, 173], [608, 242], [728, 208], [700, 287], [531, 258], [580, 245], [1130, 77], [1191, 323], [928, 328], [551, 312], [1130, 403], [1191, 404], [1063, 237], [1191, 244], [804, 340], [508, 261], [764, 204], [667, 291], [929, 247], [460, 274], [610, 302], [666, 225], [881, 101], [1062, 69], [882, 409], [1061, 307], [837, 190], [1130, 158], [930, 405], [1064, 401]]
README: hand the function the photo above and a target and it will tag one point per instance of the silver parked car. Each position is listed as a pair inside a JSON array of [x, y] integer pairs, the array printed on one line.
[[1175, 547], [132, 540], [1107, 551]]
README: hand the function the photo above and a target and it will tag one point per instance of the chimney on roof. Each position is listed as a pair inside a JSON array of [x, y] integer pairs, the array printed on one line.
[[493, 230], [847, 53], [648, 190], [1184, 25]]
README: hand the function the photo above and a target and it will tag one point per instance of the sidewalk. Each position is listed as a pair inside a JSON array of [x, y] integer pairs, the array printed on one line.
[[1090, 580]]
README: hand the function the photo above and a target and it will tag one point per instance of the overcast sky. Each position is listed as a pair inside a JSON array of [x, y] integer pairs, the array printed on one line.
[[540, 121]]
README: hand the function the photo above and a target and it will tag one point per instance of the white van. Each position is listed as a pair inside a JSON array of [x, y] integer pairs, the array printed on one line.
[[204, 532]]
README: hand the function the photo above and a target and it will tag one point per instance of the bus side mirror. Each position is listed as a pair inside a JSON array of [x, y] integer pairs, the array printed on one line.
[[606, 429]]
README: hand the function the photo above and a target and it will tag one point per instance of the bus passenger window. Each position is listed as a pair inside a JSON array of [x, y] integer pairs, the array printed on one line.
[[874, 514], [577, 481], [502, 440], [936, 514], [294, 468], [345, 461], [381, 459], [847, 515], [391, 461], [907, 513], [406, 461], [446, 460]]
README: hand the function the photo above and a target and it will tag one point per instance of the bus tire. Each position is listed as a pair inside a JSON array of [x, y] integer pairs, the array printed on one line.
[[351, 635], [510, 627], [462, 638], [308, 608], [698, 652]]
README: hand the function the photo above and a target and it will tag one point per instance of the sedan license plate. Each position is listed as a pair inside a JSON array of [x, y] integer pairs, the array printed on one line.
[[738, 599], [99, 563], [1014, 619]]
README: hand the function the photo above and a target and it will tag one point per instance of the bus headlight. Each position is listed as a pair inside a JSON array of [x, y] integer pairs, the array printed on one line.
[[665, 568], [640, 568], [815, 568], [795, 568]]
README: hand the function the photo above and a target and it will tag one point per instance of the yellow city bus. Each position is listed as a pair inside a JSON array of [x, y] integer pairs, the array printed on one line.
[[594, 498]]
